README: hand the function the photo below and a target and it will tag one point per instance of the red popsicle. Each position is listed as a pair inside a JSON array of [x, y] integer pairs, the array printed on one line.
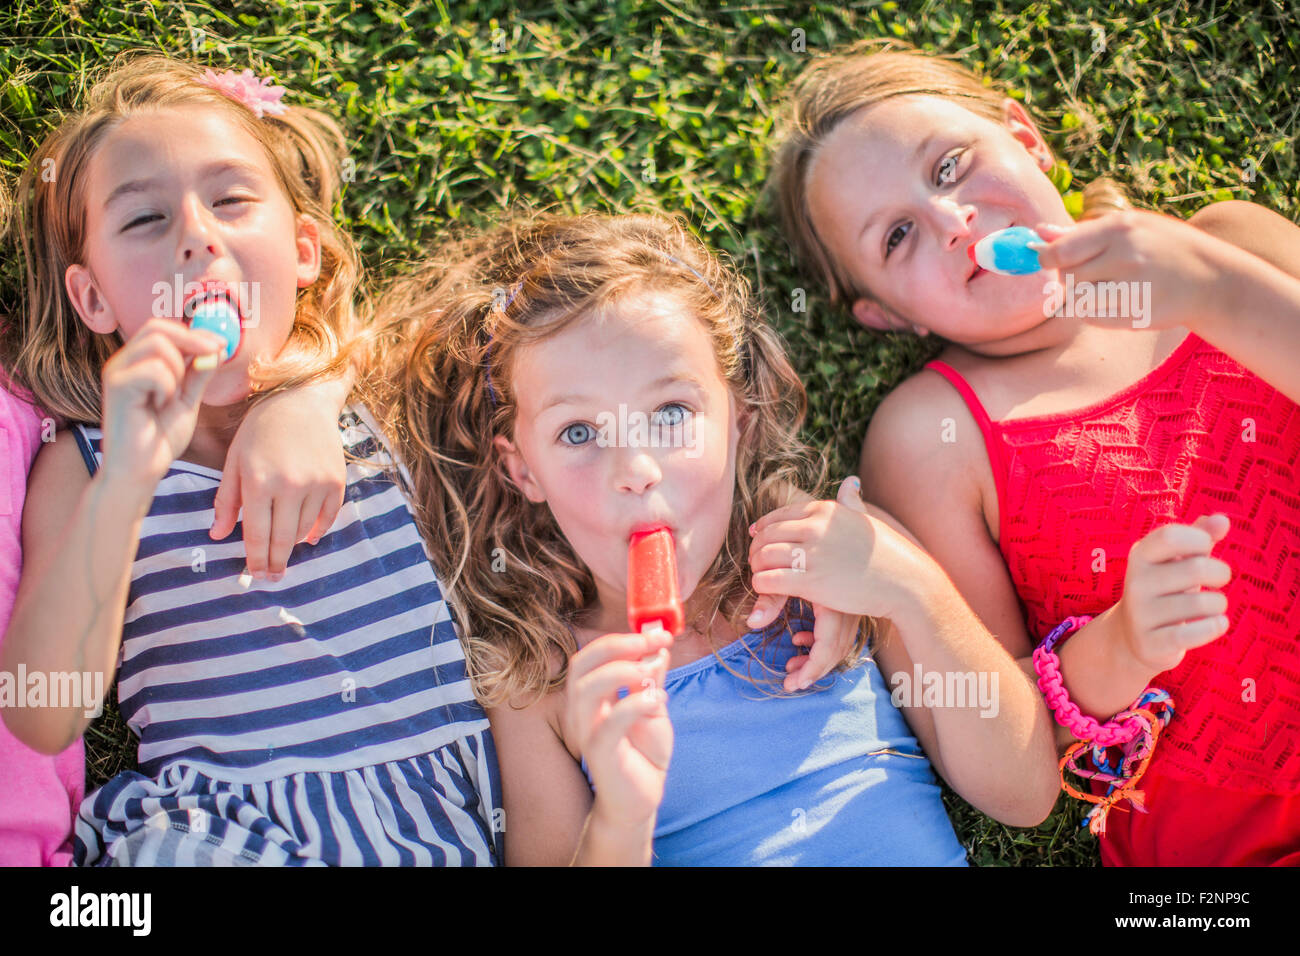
[[652, 598]]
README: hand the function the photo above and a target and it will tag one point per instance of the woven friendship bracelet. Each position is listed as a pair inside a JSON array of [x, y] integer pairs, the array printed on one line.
[[1153, 710]]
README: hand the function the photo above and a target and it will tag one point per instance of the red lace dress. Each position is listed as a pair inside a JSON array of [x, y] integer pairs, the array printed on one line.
[[1076, 490]]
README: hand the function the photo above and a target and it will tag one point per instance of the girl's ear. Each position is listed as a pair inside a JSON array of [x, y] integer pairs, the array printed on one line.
[[308, 243], [875, 316], [92, 307], [517, 468], [1026, 133]]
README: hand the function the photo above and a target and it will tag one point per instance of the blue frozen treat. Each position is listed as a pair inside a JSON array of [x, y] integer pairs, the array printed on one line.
[[217, 315], [1006, 251]]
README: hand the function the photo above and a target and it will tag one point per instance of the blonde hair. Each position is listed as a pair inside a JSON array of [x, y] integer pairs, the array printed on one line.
[[50, 351], [836, 86], [452, 314]]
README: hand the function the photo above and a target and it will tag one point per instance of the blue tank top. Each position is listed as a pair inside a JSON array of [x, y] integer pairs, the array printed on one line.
[[833, 777]]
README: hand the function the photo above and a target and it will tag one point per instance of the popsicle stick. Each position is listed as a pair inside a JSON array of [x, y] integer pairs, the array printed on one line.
[[651, 627]]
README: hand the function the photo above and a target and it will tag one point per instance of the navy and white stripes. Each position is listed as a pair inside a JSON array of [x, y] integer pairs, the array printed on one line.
[[330, 709]]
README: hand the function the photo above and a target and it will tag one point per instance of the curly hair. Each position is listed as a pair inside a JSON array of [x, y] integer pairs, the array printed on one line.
[[438, 335]]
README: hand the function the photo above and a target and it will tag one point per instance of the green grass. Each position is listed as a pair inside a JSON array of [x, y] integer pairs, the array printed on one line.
[[455, 111]]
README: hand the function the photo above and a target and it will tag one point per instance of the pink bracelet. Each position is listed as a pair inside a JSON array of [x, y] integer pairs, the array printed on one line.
[[1048, 667]]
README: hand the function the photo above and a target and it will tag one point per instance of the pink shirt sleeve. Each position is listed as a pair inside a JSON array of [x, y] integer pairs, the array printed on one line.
[[39, 794]]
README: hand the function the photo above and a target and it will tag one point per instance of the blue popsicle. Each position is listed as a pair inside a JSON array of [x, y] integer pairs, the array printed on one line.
[[1006, 251], [219, 316]]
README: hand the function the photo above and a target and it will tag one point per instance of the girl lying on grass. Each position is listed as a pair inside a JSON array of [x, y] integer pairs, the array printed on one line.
[[317, 716], [528, 341], [1087, 464]]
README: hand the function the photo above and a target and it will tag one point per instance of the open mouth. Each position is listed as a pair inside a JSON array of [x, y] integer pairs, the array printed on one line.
[[225, 322], [212, 291]]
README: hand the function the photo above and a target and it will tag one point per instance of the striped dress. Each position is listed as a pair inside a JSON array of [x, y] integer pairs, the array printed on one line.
[[322, 719]]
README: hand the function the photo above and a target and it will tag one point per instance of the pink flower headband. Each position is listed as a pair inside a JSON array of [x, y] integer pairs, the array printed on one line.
[[258, 95]]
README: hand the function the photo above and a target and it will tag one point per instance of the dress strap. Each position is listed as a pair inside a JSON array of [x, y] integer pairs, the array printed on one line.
[[992, 444], [967, 393], [87, 454]]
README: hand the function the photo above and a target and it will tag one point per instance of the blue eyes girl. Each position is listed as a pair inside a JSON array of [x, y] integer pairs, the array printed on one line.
[[945, 172], [668, 416], [577, 434]]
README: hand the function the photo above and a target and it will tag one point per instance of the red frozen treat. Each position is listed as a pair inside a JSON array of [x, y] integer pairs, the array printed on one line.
[[652, 598]]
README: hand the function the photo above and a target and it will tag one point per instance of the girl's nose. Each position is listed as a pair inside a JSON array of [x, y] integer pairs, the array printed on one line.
[[637, 470], [197, 236], [955, 221], [190, 250]]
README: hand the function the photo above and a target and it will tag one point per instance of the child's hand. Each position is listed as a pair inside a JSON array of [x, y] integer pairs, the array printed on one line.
[[830, 641], [835, 554], [627, 743], [833, 634], [1172, 273], [1171, 600], [286, 469], [152, 393]]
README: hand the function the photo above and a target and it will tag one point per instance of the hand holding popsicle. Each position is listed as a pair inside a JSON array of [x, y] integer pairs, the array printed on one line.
[[153, 387], [627, 741], [1174, 273]]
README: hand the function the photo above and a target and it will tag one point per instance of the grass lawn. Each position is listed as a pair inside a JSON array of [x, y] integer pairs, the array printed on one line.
[[455, 110]]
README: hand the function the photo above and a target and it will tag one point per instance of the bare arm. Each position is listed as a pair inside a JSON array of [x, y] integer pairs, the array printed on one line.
[[1260, 319], [545, 794], [285, 469], [934, 488], [552, 818], [1008, 727], [924, 485], [79, 541], [1254, 228]]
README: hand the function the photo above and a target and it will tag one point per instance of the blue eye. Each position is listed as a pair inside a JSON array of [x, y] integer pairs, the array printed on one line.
[[666, 418], [577, 434], [890, 243]]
